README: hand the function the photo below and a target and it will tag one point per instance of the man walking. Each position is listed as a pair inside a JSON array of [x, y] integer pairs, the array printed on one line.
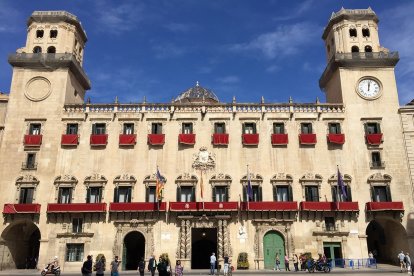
[[115, 267], [401, 259], [152, 265], [212, 263]]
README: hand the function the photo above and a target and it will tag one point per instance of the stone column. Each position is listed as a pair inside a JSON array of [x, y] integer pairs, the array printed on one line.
[[188, 240], [220, 239]]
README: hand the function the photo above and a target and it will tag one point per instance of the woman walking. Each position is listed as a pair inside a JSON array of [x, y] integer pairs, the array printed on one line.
[[178, 269], [287, 263], [296, 262]]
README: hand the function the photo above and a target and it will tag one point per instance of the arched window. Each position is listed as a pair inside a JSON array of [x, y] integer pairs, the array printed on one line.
[[368, 49], [39, 33], [221, 186], [37, 49], [352, 32], [51, 50], [355, 49], [53, 33], [365, 32]]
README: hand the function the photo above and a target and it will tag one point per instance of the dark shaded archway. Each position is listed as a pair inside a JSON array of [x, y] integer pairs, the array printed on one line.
[[386, 238], [134, 250], [204, 242], [21, 245]]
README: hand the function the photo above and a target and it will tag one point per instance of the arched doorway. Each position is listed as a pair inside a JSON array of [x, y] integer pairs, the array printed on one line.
[[273, 244], [204, 242], [21, 245], [386, 238], [133, 250]]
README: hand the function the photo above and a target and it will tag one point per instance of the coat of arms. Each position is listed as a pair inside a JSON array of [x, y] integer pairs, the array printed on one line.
[[203, 160]]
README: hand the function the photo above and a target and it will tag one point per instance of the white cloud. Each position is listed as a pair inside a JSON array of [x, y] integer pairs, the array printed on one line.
[[168, 50], [179, 27], [9, 18], [229, 80], [286, 40], [303, 7], [273, 69]]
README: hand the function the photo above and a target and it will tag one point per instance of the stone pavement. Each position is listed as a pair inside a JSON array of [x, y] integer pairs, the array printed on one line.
[[382, 269]]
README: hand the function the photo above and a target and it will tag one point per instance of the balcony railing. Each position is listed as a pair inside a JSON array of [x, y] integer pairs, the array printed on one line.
[[367, 55], [29, 166], [377, 165], [21, 208]]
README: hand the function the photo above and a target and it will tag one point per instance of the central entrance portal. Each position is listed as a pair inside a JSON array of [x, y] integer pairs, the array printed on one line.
[[134, 250], [204, 242]]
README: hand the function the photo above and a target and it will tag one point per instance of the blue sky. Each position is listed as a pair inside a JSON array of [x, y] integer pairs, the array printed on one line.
[[246, 49]]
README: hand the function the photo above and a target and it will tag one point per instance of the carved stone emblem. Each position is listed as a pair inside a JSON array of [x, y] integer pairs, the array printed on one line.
[[203, 160]]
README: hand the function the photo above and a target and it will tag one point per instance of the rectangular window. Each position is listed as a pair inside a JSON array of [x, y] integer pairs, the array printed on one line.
[[338, 196], [330, 224], [381, 194], [282, 193], [278, 128], [156, 128], [334, 128], [34, 129], [74, 252], [72, 129], [26, 195], [94, 195], [376, 159], [77, 224], [257, 196], [128, 128], [372, 128], [65, 195], [150, 196], [306, 128], [123, 194], [99, 128], [31, 161], [220, 194], [219, 128], [311, 193], [187, 193], [249, 128], [187, 128]]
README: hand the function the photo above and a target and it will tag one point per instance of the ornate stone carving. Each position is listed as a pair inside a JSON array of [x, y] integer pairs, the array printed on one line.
[[96, 177], [378, 177], [220, 239], [204, 160], [27, 178], [188, 239]]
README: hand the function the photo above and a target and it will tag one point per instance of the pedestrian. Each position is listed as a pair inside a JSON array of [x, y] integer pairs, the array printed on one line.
[[287, 263], [152, 265], [296, 262], [162, 267], [87, 266], [115, 267], [100, 266], [370, 258], [212, 263], [401, 257], [141, 266], [302, 259], [178, 268], [226, 265], [407, 261], [277, 263]]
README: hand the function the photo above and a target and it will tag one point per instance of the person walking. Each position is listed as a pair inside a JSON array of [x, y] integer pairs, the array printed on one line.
[[226, 265], [178, 268], [115, 267], [407, 261], [152, 265], [100, 267], [213, 261], [277, 263], [287, 263], [87, 266], [141, 266], [296, 262], [401, 257]]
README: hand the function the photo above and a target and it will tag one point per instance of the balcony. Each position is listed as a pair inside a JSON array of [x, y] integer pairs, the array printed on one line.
[[329, 206], [156, 139], [220, 139], [69, 140], [384, 206], [307, 139], [131, 207], [374, 139], [187, 139], [127, 139], [204, 206], [269, 206], [21, 208], [32, 140], [250, 139], [338, 139], [377, 165], [279, 139], [98, 140], [29, 166], [76, 207]]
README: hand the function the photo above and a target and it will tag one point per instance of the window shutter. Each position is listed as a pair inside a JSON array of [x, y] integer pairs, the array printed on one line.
[[388, 190], [29, 198], [178, 194], [366, 128], [193, 189], [147, 190], [254, 128], [310, 129], [379, 128], [116, 194], [226, 196], [372, 193], [88, 195], [348, 193], [213, 192], [100, 194], [244, 128], [129, 195], [334, 193], [244, 193], [191, 128], [290, 193], [70, 195], [159, 129], [93, 128], [274, 193], [260, 194]]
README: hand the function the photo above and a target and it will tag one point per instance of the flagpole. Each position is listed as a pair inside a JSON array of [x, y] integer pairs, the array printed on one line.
[[247, 188]]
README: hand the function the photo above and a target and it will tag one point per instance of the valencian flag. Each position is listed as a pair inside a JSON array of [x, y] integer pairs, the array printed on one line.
[[201, 185], [341, 185], [159, 189], [249, 187]]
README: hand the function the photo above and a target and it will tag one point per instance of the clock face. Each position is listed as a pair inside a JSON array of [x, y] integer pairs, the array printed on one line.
[[369, 88]]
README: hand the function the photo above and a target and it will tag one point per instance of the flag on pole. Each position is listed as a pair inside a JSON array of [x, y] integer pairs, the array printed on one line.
[[341, 185], [159, 189], [249, 187]]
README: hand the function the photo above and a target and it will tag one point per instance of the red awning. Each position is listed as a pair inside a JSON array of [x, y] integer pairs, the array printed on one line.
[[32, 140], [99, 139], [374, 139], [220, 139], [279, 139], [187, 139], [156, 139], [385, 206], [203, 206], [69, 139], [127, 139], [137, 207], [76, 207], [269, 206], [307, 139], [250, 139], [21, 208], [328, 206], [336, 138], [347, 206]]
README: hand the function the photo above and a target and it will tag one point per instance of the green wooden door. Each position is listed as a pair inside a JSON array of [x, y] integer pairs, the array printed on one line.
[[273, 244]]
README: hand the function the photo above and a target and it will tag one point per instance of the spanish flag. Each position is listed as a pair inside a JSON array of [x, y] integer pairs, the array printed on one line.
[[159, 189]]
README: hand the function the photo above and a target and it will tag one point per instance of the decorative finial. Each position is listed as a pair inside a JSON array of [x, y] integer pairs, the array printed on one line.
[[197, 84], [145, 99], [116, 99], [234, 99], [262, 100], [290, 99], [89, 100], [317, 100]]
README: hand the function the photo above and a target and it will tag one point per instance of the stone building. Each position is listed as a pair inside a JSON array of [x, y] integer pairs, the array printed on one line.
[[80, 178]]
